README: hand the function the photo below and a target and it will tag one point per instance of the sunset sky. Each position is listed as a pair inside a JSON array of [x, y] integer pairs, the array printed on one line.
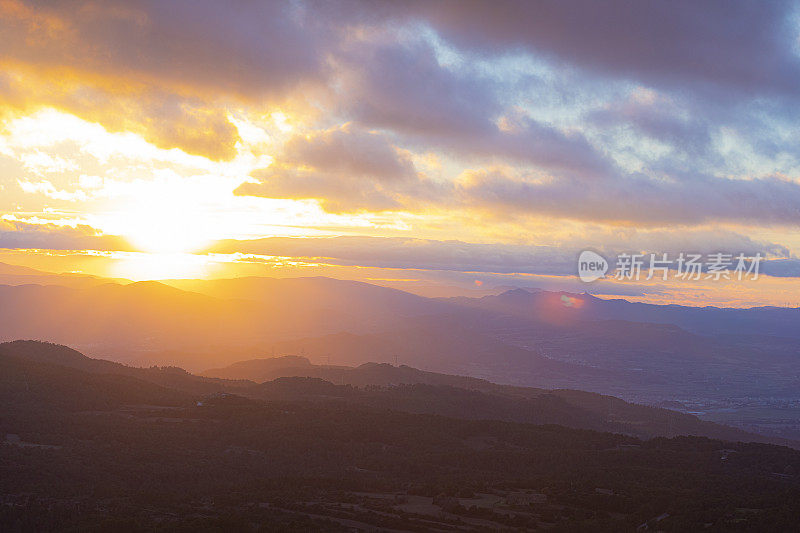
[[409, 143]]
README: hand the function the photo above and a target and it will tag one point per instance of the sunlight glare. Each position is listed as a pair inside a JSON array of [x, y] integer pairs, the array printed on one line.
[[156, 266]]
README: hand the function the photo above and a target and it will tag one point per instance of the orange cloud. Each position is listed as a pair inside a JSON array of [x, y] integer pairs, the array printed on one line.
[[168, 73], [346, 169]]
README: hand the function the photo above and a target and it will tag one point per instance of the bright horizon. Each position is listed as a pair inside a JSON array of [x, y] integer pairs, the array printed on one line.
[[399, 265], [223, 158]]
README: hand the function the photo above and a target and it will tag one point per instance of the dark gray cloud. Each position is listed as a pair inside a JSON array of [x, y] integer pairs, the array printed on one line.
[[351, 152], [399, 252], [458, 256], [254, 49], [346, 169], [660, 119], [743, 47], [21, 235], [170, 69], [403, 88], [637, 199], [781, 268]]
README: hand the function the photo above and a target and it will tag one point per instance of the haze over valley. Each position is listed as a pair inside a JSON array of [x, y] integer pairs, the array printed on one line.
[[399, 266]]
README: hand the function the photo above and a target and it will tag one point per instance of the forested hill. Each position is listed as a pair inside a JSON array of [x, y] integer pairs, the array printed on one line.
[[88, 450], [372, 386]]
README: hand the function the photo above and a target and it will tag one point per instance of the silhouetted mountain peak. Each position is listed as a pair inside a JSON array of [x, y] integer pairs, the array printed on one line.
[[371, 365], [258, 369], [17, 270], [41, 351], [302, 386], [514, 294]]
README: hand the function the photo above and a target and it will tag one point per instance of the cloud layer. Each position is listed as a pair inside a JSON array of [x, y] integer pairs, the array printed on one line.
[[21, 235], [534, 128]]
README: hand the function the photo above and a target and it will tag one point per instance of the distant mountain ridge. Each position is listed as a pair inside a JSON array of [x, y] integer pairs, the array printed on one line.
[[371, 386], [419, 391], [641, 352], [80, 445], [22, 275], [549, 306], [399, 388], [63, 356]]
